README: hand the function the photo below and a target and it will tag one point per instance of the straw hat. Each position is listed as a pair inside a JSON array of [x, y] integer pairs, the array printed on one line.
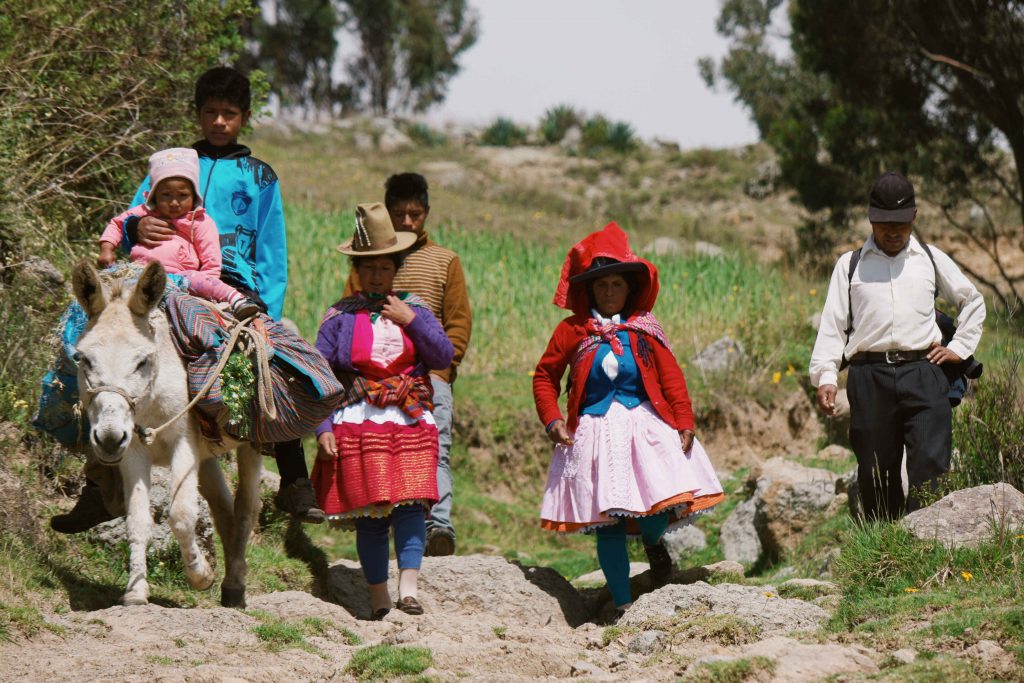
[[375, 236]]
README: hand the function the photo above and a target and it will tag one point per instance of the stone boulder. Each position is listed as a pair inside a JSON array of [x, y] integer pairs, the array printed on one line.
[[791, 500], [684, 540], [708, 249], [739, 537], [966, 517], [720, 355], [663, 246], [466, 585], [757, 605], [115, 531], [797, 662], [835, 452]]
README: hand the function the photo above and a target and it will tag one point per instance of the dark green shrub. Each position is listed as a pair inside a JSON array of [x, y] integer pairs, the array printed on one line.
[[599, 134], [424, 135], [504, 133], [621, 137], [557, 121]]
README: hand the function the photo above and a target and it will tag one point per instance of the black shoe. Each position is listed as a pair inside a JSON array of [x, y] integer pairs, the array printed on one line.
[[440, 542], [298, 500], [379, 613], [87, 513], [661, 562]]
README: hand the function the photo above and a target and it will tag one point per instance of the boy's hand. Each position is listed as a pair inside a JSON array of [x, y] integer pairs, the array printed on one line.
[[326, 446], [686, 436], [559, 434], [153, 231], [397, 311], [827, 398], [107, 255]]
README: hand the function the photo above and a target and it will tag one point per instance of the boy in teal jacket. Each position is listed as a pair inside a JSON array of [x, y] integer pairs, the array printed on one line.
[[241, 194]]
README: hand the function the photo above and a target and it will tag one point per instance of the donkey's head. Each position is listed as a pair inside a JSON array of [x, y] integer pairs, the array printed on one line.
[[117, 354]]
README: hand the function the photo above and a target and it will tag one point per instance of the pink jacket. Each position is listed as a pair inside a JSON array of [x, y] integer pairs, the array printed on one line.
[[194, 247]]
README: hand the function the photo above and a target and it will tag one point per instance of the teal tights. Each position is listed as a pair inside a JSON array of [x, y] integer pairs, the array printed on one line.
[[612, 555]]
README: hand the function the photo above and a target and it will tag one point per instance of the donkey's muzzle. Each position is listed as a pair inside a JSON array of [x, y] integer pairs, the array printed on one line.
[[109, 445]]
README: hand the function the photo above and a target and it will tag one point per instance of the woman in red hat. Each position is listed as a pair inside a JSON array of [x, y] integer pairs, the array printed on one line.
[[626, 461]]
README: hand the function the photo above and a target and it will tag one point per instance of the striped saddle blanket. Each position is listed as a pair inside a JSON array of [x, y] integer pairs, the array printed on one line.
[[305, 390]]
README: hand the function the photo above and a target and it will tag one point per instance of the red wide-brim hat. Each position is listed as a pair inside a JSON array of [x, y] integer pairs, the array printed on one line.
[[609, 242]]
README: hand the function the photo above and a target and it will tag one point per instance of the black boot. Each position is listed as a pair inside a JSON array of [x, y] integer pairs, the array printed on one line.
[[87, 513], [298, 500], [661, 562]]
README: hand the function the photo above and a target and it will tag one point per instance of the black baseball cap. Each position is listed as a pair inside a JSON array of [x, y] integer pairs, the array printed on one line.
[[892, 199]]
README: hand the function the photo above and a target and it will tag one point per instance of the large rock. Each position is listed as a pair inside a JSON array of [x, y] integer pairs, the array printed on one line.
[[684, 540], [739, 537], [758, 605], [663, 246], [469, 585], [720, 355], [791, 500], [797, 662], [162, 540], [966, 517]]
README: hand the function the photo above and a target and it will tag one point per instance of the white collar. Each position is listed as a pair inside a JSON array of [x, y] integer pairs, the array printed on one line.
[[601, 320], [912, 246]]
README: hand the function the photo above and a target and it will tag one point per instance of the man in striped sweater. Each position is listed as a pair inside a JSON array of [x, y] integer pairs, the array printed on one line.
[[435, 274]]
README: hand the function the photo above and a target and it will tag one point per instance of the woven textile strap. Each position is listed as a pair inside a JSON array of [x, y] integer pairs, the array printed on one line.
[[413, 395]]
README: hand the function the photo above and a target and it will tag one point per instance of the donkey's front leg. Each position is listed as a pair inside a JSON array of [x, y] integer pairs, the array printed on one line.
[[247, 509], [184, 511], [139, 523]]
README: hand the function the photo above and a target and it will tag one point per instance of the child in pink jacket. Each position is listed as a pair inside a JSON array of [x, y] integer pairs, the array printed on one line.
[[194, 250]]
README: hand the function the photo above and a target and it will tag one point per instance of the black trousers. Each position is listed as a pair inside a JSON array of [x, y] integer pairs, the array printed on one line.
[[291, 461], [892, 407]]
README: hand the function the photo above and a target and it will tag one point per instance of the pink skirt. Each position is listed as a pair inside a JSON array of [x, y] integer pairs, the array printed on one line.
[[626, 463]]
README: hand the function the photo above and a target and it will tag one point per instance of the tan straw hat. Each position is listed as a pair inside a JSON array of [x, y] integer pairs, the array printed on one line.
[[375, 236]]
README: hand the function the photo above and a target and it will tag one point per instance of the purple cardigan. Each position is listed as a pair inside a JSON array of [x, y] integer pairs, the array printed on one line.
[[434, 350]]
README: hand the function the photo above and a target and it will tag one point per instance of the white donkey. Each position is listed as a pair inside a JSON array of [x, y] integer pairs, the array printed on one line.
[[131, 377]]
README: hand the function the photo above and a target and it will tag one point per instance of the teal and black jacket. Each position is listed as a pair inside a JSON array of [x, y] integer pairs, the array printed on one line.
[[241, 194]]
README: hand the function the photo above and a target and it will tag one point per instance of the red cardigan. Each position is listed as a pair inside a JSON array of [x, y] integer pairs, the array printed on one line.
[[663, 380]]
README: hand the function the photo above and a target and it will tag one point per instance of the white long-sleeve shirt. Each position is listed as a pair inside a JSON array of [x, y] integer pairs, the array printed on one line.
[[893, 307]]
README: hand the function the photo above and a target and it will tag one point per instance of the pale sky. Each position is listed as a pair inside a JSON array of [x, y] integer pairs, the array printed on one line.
[[631, 60]]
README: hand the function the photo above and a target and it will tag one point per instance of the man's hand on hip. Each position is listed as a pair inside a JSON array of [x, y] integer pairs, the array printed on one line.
[[939, 354]]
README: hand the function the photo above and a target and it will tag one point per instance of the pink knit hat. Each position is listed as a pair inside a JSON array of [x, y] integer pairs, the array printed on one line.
[[176, 162]]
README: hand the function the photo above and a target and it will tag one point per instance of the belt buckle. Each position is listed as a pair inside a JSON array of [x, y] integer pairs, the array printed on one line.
[[894, 357]]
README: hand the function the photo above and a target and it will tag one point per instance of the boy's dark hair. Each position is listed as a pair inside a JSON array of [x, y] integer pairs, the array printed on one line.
[[398, 258], [403, 187], [223, 83]]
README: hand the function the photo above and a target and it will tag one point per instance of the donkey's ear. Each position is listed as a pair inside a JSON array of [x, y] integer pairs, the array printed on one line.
[[149, 290], [88, 290]]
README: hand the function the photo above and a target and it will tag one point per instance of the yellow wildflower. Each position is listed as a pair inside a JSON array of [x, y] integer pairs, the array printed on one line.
[[537, 215], [790, 370], [531, 373], [967, 576], [909, 590], [770, 595], [1020, 537], [814, 292], [776, 377]]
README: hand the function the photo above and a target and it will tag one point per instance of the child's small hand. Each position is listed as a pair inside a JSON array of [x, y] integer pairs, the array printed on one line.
[[397, 311], [326, 446], [107, 255], [686, 436], [153, 231]]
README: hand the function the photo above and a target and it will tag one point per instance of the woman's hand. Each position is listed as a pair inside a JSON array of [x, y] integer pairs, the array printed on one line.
[[107, 255], [326, 446], [559, 434], [397, 311], [152, 231], [686, 436]]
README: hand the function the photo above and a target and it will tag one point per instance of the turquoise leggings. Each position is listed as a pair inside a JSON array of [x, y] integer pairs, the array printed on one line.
[[612, 555]]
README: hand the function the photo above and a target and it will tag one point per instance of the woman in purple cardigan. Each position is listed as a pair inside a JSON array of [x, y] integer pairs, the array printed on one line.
[[376, 463]]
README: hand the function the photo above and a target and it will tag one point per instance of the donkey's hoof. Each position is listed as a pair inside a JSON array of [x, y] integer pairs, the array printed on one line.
[[232, 597], [133, 599], [201, 578]]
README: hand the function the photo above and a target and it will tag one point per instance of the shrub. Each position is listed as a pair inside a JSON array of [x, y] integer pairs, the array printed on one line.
[[424, 135], [599, 133], [504, 133], [557, 121], [88, 89]]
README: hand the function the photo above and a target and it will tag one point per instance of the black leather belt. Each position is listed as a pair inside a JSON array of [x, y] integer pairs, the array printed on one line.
[[888, 357]]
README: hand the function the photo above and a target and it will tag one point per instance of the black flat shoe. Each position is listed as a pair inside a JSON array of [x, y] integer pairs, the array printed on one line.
[[379, 613], [410, 605]]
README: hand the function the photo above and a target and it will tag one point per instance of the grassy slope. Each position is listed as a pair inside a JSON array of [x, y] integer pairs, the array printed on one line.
[[512, 237]]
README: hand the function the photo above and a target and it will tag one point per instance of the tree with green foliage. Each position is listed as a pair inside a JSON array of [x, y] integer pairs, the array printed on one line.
[[931, 88], [409, 50], [294, 43]]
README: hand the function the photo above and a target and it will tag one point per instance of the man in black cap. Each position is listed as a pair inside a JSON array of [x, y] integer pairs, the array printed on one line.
[[879, 315]]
